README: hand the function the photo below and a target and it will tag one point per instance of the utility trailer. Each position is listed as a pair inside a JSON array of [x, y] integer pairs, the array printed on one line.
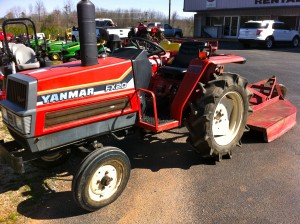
[[48, 111]]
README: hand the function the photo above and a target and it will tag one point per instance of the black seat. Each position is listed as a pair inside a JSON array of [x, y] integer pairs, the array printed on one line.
[[187, 52]]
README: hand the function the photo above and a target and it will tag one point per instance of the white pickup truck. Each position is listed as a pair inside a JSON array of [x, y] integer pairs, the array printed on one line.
[[107, 24]]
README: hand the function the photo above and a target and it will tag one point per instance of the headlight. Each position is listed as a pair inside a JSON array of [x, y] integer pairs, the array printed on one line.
[[23, 124], [19, 123], [4, 113]]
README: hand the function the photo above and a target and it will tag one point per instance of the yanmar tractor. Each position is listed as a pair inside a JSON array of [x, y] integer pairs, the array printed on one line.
[[48, 111]]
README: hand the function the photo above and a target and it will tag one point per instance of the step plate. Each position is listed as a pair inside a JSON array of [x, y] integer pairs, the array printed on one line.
[[273, 120]]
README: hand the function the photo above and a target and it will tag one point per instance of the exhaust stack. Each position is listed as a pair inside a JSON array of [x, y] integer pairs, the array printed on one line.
[[87, 33]]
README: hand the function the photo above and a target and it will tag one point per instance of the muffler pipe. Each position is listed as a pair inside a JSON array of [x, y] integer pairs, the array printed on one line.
[[87, 33]]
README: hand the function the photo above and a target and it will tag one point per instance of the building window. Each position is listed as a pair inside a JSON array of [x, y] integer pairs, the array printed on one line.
[[214, 21]]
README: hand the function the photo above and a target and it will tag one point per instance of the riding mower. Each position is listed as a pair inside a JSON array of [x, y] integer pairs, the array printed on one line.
[[51, 111], [17, 57], [105, 44]]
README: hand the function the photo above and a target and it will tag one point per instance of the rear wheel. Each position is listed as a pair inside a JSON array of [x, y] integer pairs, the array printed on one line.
[[219, 121], [269, 42], [101, 178], [177, 35], [295, 42]]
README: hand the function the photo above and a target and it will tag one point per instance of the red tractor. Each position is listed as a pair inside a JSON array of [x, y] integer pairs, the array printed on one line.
[[48, 111]]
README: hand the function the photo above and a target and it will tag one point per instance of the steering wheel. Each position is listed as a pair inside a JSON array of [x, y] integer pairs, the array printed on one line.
[[151, 47]]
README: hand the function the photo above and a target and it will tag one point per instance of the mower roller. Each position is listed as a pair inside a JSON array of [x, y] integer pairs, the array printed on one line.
[[51, 111]]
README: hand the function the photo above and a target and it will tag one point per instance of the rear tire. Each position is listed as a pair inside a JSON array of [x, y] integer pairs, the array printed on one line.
[[269, 43], [177, 35], [101, 178], [221, 116], [295, 42]]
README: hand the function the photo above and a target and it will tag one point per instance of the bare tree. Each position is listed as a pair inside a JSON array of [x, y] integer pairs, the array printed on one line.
[[68, 7], [18, 11], [40, 9], [57, 15], [69, 4], [174, 17], [30, 8], [9, 15]]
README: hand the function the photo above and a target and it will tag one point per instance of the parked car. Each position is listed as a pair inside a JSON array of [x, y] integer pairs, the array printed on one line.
[[268, 33], [168, 30]]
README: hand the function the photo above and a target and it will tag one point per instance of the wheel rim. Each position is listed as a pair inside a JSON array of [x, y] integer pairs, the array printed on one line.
[[295, 42], [228, 117], [269, 43], [105, 181], [55, 57]]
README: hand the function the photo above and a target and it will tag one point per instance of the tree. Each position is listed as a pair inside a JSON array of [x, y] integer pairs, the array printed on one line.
[[40, 9]]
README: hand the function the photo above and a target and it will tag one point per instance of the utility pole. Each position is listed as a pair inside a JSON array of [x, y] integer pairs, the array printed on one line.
[[170, 12]]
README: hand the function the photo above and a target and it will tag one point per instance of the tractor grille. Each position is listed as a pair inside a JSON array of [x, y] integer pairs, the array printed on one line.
[[87, 111], [16, 93]]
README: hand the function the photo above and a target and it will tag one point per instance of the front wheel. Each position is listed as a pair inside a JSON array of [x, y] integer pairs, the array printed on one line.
[[101, 178], [219, 121], [55, 56]]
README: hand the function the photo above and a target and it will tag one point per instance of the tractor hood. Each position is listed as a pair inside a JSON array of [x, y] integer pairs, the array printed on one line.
[[72, 76]]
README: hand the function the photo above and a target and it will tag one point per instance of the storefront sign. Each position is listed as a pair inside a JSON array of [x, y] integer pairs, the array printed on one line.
[[211, 3], [266, 2]]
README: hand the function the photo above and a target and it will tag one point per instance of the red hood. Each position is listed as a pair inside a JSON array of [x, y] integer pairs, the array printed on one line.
[[72, 75]]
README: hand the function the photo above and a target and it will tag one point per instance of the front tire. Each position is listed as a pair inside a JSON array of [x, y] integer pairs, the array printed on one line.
[[101, 178], [55, 56], [221, 116]]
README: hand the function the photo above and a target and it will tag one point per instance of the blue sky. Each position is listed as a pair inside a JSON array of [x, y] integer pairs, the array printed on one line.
[[144, 5]]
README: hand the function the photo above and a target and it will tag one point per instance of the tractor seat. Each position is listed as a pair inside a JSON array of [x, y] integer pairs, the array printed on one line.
[[15, 47], [25, 58], [187, 51]]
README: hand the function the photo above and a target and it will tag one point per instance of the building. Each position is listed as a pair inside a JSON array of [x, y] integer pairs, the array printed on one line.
[[223, 18]]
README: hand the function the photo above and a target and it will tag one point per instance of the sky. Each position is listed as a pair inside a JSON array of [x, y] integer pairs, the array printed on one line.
[[144, 5]]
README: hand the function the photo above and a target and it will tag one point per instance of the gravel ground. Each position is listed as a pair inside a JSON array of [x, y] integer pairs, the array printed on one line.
[[23, 194]]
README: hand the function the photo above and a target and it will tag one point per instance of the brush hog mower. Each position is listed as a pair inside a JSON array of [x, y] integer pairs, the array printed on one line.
[[50, 111]]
